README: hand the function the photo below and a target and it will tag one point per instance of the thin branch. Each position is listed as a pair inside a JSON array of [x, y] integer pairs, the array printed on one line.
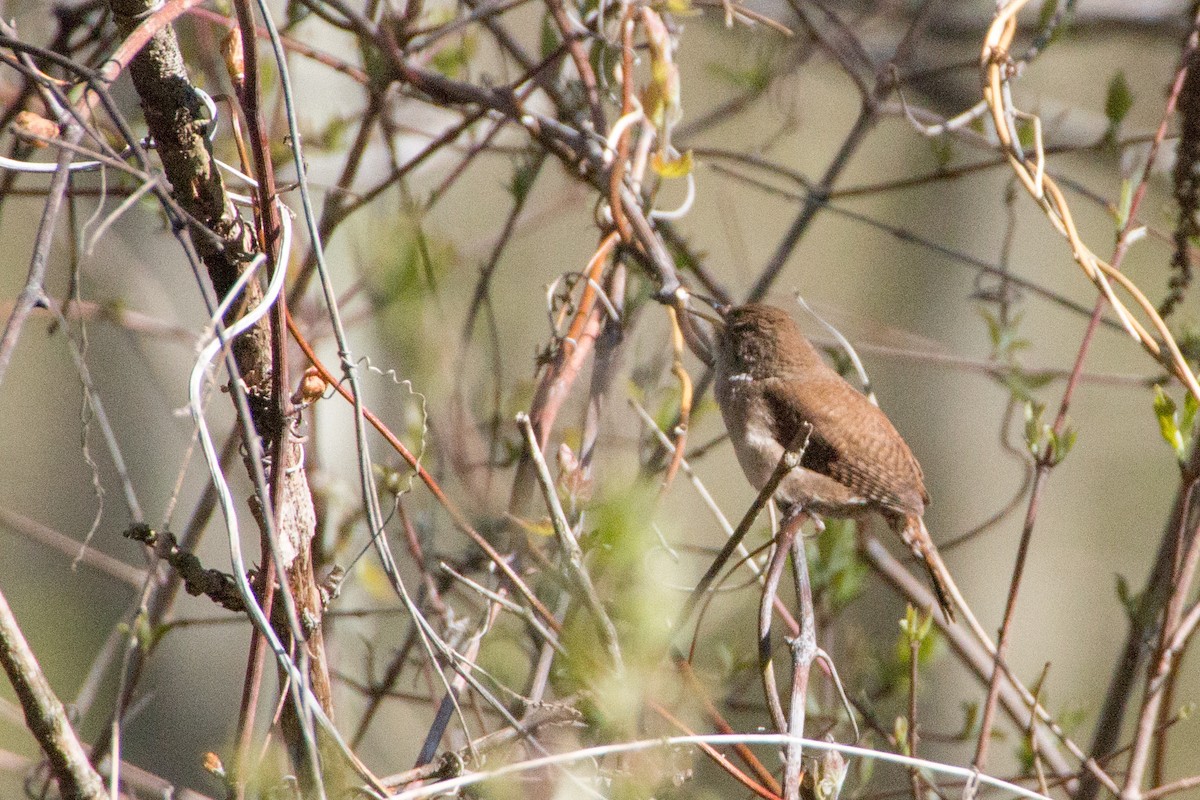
[[35, 280], [572, 553], [44, 714]]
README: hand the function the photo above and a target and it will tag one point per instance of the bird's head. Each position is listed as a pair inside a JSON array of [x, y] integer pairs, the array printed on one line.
[[762, 341]]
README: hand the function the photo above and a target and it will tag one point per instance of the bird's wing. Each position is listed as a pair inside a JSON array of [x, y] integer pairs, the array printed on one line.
[[851, 441]]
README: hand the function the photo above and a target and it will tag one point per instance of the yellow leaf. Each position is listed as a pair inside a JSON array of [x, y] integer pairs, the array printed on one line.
[[372, 578], [673, 167], [540, 528]]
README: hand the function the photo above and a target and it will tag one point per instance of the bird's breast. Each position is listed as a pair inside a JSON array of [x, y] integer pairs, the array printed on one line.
[[752, 431], [747, 419]]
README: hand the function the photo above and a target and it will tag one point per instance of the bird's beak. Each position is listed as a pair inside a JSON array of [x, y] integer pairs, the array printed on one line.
[[711, 319], [717, 320]]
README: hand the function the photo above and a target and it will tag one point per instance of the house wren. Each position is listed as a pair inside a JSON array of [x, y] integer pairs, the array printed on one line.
[[772, 385]]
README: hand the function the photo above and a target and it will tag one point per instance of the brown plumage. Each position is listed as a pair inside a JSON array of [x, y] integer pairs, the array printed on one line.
[[769, 382]]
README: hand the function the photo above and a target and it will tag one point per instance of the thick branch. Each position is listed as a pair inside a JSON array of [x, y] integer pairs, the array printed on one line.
[[178, 123]]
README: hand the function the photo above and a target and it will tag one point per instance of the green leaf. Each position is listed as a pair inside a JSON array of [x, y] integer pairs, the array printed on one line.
[[333, 137], [1072, 719], [943, 150], [915, 625], [1188, 340], [1060, 445], [1046, 13], [1024, 754], [523, 177], [377, 67], [1187, 422], [1035, 429], [1026, 134], [297, 13], [865, 771], [754, 79], [925, 627], [900, 732], [1117, 102], [388, 481], [970, 721], [549, 38], [1021, 384], [836, 570], [1041, 438], [1004, 335], [1168, 421], [1124, 203], [927, 646], [995, 330], [452, 61], [1131, 602], [145, 633]]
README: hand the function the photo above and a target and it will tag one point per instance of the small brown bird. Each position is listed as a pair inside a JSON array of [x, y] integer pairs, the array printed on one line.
[[770, 382]]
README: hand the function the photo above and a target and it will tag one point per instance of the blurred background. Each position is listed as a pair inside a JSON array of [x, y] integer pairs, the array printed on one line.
[[891, 261]]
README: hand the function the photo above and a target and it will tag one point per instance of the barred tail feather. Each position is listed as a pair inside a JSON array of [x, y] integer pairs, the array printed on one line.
[[917, 537], [943, 582], [940, 589]]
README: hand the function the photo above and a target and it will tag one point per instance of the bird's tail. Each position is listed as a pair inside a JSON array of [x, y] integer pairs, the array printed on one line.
[[917, 537]]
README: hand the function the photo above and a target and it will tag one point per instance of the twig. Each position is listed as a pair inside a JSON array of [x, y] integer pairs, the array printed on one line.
[[449, 703], [1049, 197], [910, 237], [1044, 190], [572, 553], [44, 714], [867, 118], [456, 514], [35, 280], [914, 653], [766, 663], [1030, 737], [685, 397], [718, 758], [1173, 636], [1181, 785], [589, 753], [745, 753], [787, 462], [980, 659], [804, 650], [71, 548], [556, 381], [571, 35], [604, 367], [524, 613], [989, 708]]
